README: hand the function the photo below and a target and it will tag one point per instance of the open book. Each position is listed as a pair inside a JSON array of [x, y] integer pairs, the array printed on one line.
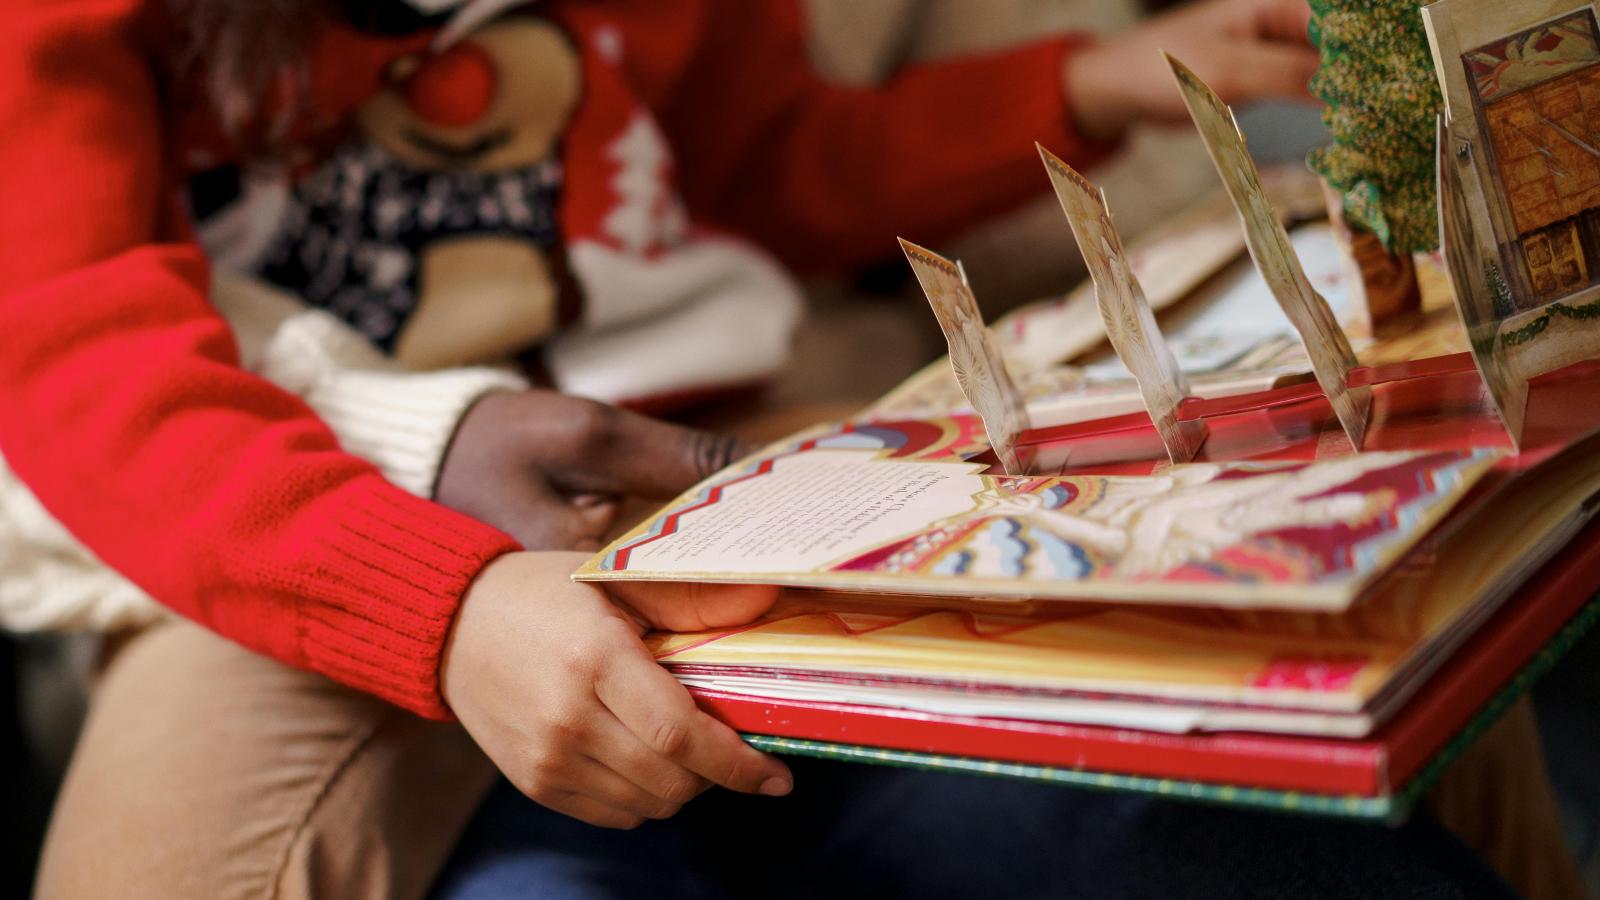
[[876, 507], [1201, 622], [1161, 668], [1271, 582]]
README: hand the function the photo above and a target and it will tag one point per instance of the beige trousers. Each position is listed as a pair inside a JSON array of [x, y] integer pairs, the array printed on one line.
[[207, 771]]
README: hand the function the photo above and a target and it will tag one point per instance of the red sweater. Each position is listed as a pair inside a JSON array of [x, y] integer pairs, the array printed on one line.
[[122, 404]]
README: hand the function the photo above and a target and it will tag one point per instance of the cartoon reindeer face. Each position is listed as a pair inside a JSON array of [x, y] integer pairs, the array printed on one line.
[[496, 100]]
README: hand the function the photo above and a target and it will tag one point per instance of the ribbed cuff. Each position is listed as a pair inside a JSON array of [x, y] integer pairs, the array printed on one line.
[[398, 420], [396, 569], [402, 422]]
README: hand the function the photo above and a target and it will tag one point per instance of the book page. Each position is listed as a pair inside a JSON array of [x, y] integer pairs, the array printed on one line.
[[857, 509], [809, 511]]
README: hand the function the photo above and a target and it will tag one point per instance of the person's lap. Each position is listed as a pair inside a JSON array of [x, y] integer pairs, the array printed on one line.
[[208, 771], [205, 770], [854, 830]]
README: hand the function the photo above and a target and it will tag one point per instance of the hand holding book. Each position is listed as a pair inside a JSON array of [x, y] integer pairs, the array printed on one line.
[[561, 694]]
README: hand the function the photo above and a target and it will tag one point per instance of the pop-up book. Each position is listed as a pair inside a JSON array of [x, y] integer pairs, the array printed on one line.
[[1325, 342], [979, 367], [1306, 589]]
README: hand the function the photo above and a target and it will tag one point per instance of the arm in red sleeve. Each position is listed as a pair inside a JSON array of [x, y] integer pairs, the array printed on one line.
[[123, 407], [827, 176]]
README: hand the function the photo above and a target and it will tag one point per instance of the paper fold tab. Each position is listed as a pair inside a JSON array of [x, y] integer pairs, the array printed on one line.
[[1470, 266], [1325, 342], [1129, 321], [980, 369]]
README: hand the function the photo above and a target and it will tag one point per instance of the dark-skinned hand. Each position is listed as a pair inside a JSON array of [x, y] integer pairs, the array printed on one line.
[[550, 470]]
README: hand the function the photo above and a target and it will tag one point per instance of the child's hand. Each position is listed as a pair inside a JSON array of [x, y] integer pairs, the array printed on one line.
[[552, 681], [548, 469], [1244, 49], [692, 606]]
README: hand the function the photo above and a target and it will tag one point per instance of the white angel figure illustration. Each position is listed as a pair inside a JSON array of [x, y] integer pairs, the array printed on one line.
[[1150, 525]]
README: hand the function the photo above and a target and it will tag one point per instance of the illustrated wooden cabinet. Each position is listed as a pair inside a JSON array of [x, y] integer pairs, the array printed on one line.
[[1538, 101], [1555, 259]]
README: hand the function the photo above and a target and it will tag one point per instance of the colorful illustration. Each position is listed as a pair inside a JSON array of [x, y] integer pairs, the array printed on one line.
[[1539, 94], [1190, 523], [1520, 184], [1161, 668], [1541, 53], [1527, 103], [849, 508]]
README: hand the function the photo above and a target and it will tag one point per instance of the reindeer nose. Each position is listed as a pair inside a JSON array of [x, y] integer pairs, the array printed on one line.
[[453, 89]]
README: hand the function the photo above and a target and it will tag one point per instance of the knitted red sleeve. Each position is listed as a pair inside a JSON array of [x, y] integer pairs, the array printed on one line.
[[829, 175], [123, 407]]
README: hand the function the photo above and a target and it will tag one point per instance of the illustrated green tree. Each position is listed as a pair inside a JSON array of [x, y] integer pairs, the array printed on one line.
[[1382, 98]]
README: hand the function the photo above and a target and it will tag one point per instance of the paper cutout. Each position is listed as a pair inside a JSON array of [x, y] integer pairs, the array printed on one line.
[[1130, 324], [1519, 171], [1172, 260], [1471, 277], [1229, 336], [1325, 342], [979, 367], [886, 506]]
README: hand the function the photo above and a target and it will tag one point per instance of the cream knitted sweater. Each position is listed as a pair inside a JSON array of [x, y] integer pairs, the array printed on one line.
[[399, 420]]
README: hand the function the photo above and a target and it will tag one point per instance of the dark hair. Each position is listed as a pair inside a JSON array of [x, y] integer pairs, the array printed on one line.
[[242, 47]]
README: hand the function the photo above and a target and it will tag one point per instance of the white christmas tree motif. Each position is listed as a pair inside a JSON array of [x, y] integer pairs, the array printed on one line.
[[387, 266], [648, 213], [514, 200], [389, 213], [608, 43]]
